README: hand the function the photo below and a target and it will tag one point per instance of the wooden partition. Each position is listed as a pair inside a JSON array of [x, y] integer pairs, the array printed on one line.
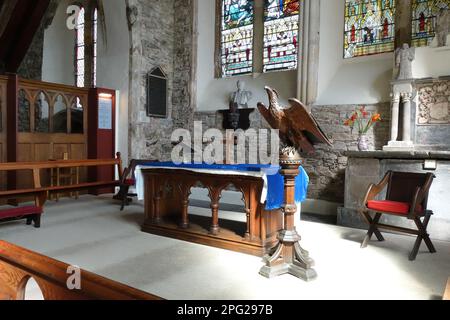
[[42, 121], [51, 120]]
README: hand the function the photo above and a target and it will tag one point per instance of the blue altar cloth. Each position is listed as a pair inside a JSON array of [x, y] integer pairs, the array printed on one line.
[[275, 181]]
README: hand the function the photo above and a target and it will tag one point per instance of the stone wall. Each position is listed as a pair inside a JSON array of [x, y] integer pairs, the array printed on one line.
[[155, 27], [31, 66], [326, 168]]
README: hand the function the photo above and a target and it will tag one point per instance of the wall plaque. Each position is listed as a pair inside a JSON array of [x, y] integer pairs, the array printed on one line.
[[157, 94], [434, 103], [105, 114]]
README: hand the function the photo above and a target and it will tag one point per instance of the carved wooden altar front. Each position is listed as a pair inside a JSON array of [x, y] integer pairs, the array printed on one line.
[[167, 194]]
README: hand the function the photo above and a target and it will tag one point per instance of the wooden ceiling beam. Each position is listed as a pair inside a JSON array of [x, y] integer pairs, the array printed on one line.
[[19, 32]]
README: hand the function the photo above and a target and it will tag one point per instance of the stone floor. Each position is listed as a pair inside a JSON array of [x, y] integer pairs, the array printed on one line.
[[94, 234]]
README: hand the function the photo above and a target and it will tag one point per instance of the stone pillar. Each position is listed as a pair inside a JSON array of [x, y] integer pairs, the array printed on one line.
[[395, 116], [406, 98], [402, 94], [307, 74]]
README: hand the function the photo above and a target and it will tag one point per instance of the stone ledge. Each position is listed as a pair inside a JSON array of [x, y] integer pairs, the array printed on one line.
[[420, 155]]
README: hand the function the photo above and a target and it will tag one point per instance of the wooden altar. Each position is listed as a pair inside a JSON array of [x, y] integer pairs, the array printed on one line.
[[166, 211]]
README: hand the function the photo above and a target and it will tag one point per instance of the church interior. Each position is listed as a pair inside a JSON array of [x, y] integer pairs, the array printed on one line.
[[225, 149]]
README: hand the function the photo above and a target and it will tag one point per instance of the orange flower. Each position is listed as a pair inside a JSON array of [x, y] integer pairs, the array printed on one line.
[[348, 123], [376, 117]]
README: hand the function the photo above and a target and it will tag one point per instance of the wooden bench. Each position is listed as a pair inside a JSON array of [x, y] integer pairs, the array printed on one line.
[[447, 291], [40, 193], [18, 265]]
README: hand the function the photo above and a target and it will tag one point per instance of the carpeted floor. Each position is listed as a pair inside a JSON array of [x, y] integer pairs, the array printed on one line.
[[93, 234]]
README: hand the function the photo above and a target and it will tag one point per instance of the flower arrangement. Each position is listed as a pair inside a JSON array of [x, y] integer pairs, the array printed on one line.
[[363, 120]]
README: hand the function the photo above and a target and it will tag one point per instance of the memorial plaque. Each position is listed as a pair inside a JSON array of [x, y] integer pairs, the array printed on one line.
[[157, 94]]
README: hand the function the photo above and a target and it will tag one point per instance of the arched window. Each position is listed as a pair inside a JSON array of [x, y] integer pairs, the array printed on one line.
[[424, 17], [236, 46], [94, 37], [281, 31], [81, 53], [80, 50], [369, 27]]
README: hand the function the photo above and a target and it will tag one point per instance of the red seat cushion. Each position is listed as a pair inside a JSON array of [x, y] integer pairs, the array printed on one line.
[[20, 211], [130, 182], [391, 206]]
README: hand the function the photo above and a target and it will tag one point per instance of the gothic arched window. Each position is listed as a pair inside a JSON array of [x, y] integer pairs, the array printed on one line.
[[424, 17], [369, 27], [236, 46], [281, 32], [80, 48]]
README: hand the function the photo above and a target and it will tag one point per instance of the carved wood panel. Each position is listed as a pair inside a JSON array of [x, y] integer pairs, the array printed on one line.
[[52, 121], [434, 103]]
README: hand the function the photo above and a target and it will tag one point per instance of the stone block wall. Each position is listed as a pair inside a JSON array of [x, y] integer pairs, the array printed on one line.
[[326, 167], [160, 37]]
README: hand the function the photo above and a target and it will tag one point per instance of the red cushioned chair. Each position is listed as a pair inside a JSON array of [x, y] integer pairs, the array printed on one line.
[[127, 181], [407, 197]]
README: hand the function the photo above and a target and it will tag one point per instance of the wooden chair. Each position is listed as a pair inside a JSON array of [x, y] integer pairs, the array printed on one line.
[[406, 197], [128, 180]]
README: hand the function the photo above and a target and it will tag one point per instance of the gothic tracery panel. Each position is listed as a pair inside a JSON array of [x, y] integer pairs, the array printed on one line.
[[369, 27]]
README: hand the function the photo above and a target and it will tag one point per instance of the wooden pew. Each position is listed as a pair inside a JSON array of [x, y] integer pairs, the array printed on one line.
[[447, 291], [40, 193], [18, 265]]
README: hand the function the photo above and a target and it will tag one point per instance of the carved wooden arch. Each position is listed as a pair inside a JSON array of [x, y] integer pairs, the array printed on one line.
[[244, 189], [68, 113], [29, 97], [33, 108]]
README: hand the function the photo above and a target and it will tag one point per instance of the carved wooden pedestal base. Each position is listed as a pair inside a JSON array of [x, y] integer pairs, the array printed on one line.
[[288, 256]]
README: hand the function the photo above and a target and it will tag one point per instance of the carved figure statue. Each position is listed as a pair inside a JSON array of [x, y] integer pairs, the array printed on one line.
[[442, 26], [404, 58], [241, 97]]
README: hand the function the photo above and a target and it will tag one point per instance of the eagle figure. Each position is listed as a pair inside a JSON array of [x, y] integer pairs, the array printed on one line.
[[297, 127]]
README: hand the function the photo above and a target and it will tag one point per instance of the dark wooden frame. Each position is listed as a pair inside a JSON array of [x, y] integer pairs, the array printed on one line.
[[418, 199], [163, 207]]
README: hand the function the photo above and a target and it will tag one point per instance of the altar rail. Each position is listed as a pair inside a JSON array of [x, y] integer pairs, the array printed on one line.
[[19, 265]]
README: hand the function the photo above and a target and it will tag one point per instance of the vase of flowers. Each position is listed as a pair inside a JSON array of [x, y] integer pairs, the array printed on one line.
[[363, 121]]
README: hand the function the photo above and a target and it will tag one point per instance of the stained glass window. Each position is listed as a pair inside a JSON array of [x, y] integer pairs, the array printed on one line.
[[369, 27], [94, 37], [281, 30], [237, 37], [424, 13], [79, 50]]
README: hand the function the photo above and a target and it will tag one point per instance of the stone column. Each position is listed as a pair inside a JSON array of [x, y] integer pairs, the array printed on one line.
[[307, 72], [402, 92], [395, 116], [406, 98]]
